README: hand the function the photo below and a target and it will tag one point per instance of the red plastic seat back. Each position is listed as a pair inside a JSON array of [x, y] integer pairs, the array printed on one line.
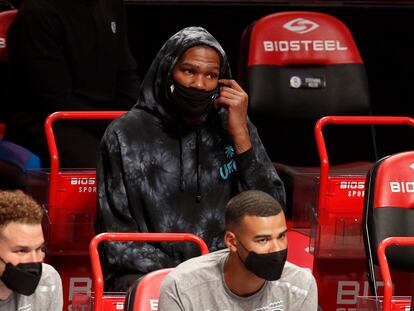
[[143, 295], [150, 292], [70, 198], [389, 208], [298, 67], [6, 17], [301, 38]]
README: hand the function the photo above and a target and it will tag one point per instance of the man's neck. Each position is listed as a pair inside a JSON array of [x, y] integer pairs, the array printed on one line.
[[238, 279], [4, 291]]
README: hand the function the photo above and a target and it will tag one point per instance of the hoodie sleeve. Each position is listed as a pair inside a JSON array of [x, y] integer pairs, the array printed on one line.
[[256, 171], [114, 215]]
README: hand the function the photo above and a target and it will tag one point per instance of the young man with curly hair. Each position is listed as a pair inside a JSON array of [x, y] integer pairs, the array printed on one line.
[[26, 283]]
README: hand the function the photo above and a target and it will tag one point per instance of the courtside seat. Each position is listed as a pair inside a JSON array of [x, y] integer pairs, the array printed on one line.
[[389, 212], [70, 197], [143, 294], [298, 67], [6, 17]]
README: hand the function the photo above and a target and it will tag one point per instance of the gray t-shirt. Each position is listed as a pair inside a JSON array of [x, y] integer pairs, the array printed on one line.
[[198, 285], [47, 297]]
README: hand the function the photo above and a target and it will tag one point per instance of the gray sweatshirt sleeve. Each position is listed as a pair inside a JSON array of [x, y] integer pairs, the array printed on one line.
[[311, 301], [48, 295], [56, 301], [169, 299]]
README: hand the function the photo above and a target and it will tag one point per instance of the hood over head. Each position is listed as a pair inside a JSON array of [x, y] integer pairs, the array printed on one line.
[[154, 93]]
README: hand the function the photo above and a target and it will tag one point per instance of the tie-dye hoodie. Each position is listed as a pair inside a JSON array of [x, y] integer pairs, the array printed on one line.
[[157, 174]]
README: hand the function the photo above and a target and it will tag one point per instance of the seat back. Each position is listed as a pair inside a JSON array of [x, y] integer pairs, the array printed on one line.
[[70, 198], [100, 299], [389, 210], [6, 18], [298, 67], [143, 294]]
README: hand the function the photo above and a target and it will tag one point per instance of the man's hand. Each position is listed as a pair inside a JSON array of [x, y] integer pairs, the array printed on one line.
[[235, 100]]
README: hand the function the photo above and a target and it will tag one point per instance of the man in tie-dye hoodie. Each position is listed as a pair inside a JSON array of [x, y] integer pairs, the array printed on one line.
[[173, 161]]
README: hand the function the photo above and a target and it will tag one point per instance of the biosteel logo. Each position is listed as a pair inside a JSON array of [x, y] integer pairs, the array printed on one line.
[[352, 185], [303, 45], [84, 181], [402, 186], [300, 25]]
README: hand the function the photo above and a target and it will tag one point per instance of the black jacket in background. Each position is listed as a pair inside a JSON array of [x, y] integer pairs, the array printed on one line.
[[153, 169], [67, 55]]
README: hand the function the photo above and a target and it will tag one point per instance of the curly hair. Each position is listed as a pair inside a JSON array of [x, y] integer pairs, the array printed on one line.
[[16, 206]]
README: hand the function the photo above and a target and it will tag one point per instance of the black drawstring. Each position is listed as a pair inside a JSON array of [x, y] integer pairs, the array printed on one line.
[[198, 193], [197, 150], [181, 161]]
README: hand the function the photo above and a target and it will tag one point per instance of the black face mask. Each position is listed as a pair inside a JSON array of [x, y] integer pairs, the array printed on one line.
[[266, 266], [191, 102], [23, 278]]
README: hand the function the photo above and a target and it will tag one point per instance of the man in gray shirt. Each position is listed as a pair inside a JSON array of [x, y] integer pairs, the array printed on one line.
[[251, 274], [26, 283]]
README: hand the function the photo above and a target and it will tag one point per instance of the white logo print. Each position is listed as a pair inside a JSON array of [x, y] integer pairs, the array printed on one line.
[[274, 306], [113, 26], [300, 25], [27, 307], [295, 82]]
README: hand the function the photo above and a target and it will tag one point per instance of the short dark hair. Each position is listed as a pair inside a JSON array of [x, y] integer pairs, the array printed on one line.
[[250, 203], [16, 206]]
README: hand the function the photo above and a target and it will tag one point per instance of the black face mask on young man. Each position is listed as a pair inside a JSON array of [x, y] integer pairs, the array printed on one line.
[[267, 266], [191, 102], [22, 278]]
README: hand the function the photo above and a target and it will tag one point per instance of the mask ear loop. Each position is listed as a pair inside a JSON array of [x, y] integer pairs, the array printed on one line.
[[244, 249]]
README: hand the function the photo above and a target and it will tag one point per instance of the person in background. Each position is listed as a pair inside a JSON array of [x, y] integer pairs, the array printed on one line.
[[25, 282], [68, 55], [173, 161], [251, 274]]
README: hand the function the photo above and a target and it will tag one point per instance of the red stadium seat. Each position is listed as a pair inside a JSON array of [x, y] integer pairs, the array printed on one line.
[[143, 294], [389, 219], [70, 198], [149, 290], [6, 17], [298, 67]]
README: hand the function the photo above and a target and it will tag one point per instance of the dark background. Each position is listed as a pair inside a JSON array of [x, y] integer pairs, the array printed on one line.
[[383, 31]]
